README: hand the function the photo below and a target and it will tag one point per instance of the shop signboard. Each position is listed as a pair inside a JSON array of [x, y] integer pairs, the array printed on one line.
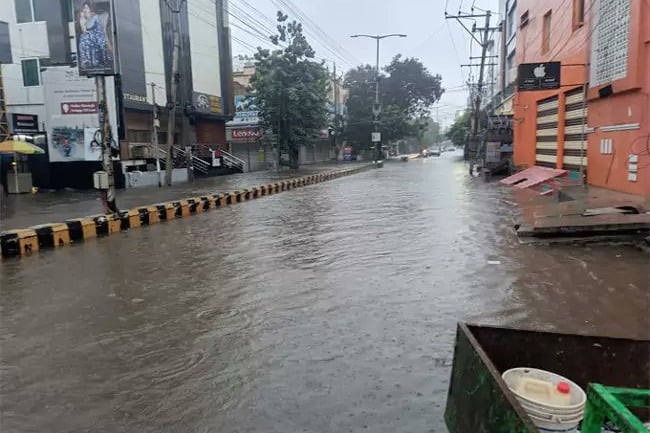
[[538, 76], [205, 103], [243, 134], [24, 123]]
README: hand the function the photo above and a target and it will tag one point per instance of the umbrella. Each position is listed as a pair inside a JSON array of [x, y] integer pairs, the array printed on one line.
[[17, 146]]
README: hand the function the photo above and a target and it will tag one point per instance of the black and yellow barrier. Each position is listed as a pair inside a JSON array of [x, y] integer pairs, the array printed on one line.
[[220, 200], [81, 229], [18, 242], [52, 235], [26, 241], [181, 208], [106, 225]]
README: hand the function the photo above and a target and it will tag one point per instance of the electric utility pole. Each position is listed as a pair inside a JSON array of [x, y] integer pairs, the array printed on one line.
[[155, 125], [484, 42], [175, 78], [336, 110], [376, 109], [108, 194]]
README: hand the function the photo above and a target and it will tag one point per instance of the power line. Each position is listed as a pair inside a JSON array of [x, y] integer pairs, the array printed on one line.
[[333, 42], [309, 27]]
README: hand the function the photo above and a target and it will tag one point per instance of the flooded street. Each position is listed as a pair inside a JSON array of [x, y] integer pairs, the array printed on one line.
[[330, 308]]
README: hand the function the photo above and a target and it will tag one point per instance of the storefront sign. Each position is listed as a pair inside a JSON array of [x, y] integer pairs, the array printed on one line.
[[26, 123], [78, 108], [135, 98], [538, 76], [243, 134], [204, 103]]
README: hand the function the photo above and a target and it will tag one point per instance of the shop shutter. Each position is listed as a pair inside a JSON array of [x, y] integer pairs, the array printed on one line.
[[575, 131], [547, 127]]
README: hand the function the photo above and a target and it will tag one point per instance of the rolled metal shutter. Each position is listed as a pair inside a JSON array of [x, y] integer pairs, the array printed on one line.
[[575, 131], [547, 127]]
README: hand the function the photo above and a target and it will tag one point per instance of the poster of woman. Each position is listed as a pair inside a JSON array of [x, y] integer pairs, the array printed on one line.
[[94, 33]]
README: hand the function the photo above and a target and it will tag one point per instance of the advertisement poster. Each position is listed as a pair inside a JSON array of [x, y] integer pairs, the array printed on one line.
[[246, 112], [72, 114], [68, 144], [95, 37]]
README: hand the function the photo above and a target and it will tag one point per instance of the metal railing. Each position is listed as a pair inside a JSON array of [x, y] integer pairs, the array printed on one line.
[[199, 164], [232, 161]]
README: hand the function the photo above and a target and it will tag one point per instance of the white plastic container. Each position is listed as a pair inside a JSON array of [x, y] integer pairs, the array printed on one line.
[[554, 403]]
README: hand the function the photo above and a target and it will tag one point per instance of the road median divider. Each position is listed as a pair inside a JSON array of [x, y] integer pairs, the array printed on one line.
[[24, 242]]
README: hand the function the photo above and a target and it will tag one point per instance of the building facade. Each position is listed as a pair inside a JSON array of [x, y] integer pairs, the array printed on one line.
[[43, 80], [257, 148], [597, 121]]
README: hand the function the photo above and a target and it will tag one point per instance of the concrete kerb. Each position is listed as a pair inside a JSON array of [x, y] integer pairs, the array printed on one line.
[[24, 242]]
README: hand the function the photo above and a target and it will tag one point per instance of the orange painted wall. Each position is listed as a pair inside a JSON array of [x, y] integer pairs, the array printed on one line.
[[568, 45], [629, 104]]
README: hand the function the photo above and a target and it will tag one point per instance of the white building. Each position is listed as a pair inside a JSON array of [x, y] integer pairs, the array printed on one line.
[[43, 81]]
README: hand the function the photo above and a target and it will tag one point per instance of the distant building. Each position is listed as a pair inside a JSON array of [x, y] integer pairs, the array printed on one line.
[[603, 43], [44, 82], [256, 148]]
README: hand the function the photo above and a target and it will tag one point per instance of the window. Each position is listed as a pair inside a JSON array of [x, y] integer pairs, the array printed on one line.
[[31, 72], [546, 33], [524, 20], [24, 11], [578, 13], [510, 23], [511, 65]]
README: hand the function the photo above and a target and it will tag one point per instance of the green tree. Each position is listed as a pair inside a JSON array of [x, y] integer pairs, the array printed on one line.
[[290, 89], [407, 90], [458, 131]]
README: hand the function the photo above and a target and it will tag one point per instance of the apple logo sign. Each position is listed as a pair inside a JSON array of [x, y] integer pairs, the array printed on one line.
[[65, 108], [540, 71]]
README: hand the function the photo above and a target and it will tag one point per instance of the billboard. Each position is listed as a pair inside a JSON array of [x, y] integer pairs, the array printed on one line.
[[246, 112], [95, 37], [72, 114]]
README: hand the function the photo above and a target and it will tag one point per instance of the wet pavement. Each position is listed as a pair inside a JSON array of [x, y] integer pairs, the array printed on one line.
[[21, 211], [330, 308]]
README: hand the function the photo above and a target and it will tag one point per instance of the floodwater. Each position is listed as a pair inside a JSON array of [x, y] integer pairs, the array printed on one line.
[[330, 308]]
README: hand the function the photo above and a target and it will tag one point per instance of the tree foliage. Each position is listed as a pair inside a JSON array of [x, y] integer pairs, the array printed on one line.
[[290, 88], [458, 131], [407, 90]]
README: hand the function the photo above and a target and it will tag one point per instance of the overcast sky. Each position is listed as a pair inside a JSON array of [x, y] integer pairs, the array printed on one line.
[[429, 34]]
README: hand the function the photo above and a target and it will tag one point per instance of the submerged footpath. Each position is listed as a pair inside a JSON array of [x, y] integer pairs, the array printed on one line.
[[33, 222], [582, 214]]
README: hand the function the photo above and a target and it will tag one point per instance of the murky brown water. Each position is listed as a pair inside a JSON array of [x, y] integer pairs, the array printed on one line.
[[330, 308]]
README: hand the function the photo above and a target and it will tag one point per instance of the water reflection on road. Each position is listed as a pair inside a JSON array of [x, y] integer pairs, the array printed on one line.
[[328, 308]]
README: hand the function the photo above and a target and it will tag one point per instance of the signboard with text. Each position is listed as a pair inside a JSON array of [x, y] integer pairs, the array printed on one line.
[[204, 103], [24, 123], [72, 114], [538, 76], [243, 134]]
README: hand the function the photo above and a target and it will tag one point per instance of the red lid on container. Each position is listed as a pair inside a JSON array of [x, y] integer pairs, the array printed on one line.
[[563, 387]]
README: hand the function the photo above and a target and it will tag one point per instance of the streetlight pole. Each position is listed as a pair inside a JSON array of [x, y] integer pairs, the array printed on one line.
[[376, 109]]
